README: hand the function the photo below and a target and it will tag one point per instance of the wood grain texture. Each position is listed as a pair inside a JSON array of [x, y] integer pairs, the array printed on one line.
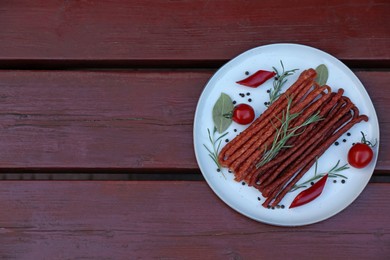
[[62, 120], [122, 220], [142, 32], [98, 119]]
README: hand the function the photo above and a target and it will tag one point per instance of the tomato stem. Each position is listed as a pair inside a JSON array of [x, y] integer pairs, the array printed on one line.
[[365, 141]]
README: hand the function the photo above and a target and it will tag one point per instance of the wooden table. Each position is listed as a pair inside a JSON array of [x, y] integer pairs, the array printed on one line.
[[107, 90]]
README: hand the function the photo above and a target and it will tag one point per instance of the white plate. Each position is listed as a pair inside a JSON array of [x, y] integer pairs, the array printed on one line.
[[244, 199]]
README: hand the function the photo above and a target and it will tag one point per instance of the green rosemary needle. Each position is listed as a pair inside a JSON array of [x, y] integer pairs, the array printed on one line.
[[333, 173], [280, 80], [213, 152], [285, 132]]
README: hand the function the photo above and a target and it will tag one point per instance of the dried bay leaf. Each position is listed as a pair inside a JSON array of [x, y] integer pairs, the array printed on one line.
[[322, 74], [222, 108]]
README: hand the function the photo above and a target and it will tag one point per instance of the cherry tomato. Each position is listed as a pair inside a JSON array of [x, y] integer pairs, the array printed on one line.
[[360, 155], [243, 114]]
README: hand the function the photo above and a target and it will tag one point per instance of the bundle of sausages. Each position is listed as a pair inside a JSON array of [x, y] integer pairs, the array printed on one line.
[[274, 179]]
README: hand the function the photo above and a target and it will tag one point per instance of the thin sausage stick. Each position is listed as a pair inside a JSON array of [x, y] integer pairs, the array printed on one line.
[[257, 125], [258, 148], [291, 153], [296, 167], [249, 142], [306, 147], [273, 189], [318, 153], [305, 115]]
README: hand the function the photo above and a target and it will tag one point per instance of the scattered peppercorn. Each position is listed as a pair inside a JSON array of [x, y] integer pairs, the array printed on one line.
[[349, 134], [282, 206], [243, 183], [258, 198], [334, 181], [235, 130], [268, 206], [249, 100], [273, 207], [344, 140], [265, 103], [246, 72], [242, 95], [218, 170], [311, 183], [248, 94], [343, 181], [336, 143], [234, 102], [227, 140], [268, 91], [353, 143]]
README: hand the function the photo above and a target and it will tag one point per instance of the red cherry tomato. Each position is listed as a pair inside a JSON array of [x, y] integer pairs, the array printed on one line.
[[360, 155], [243, 114]]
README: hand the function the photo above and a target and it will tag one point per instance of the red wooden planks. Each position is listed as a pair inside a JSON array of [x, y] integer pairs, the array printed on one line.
[[125, 220], [98, 119], [152, 32], [62, 120], [380, 95]]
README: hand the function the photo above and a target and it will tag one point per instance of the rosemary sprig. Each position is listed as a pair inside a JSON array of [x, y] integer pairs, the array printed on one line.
[[333, 173], [213, 153], [280, 80], [285, 132]]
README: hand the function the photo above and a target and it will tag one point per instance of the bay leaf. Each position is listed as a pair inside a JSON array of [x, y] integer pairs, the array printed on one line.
[[223, 106], [322, 74]]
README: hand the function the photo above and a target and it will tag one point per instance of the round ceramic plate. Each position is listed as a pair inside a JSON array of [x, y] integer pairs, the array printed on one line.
[[338, 193]]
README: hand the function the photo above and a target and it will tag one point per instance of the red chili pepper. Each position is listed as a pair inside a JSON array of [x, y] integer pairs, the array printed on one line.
[[309, 194], [257, 78]]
